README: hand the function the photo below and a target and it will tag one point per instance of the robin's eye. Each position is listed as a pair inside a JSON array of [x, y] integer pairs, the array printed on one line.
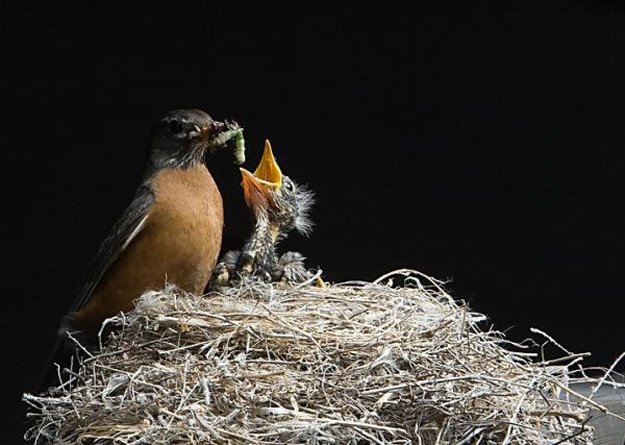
[[288, 186], [175, 126]]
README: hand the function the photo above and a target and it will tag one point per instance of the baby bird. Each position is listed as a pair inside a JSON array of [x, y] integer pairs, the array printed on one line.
[[278, 205]]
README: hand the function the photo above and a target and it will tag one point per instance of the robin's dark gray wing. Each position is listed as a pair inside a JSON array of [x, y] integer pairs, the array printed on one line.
[[125, 229], [123, 232]]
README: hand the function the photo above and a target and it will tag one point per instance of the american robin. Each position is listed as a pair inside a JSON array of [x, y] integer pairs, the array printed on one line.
[[278, 205], [171, 231]]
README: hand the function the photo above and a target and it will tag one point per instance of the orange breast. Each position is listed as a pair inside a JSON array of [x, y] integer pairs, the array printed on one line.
[[179, 244]]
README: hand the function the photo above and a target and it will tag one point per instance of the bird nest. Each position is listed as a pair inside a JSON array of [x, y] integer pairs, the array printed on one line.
[[395, 361]]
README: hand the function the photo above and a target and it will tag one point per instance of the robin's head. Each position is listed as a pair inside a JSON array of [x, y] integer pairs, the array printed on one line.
[[276, 197], [182, 137]]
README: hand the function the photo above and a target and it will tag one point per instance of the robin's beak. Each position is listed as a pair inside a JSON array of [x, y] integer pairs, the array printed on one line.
[[204, 131], [216, 131], [258, 187], [219, 133]]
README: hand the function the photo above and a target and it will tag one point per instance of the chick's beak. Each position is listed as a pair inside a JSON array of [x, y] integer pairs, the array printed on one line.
[[257, 193], [268, 169], [258, 187]]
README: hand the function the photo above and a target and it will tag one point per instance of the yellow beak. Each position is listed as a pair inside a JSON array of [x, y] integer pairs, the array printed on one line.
[[268, 169], [258, 186]]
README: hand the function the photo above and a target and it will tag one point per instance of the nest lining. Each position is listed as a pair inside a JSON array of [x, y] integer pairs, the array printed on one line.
[[356, 362]]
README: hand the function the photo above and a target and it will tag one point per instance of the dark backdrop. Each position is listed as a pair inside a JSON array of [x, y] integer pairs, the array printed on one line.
[[477, 142]]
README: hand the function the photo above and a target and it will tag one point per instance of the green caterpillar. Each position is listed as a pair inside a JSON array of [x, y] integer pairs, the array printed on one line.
[[236, 132], [239, 147]]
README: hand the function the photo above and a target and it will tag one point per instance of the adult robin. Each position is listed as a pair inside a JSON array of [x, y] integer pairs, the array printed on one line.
[[170, 233], [278, 205]]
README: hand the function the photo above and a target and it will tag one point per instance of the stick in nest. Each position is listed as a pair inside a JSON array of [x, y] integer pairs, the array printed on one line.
[[262, 363]]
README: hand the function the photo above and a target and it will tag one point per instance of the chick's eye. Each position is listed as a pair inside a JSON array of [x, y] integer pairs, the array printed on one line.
[[288, 186], [175, 126]]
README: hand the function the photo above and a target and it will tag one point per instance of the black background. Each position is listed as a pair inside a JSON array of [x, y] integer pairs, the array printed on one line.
[[477, 142]]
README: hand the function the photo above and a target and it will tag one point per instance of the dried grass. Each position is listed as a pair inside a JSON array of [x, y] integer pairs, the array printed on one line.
[[357, 362]]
